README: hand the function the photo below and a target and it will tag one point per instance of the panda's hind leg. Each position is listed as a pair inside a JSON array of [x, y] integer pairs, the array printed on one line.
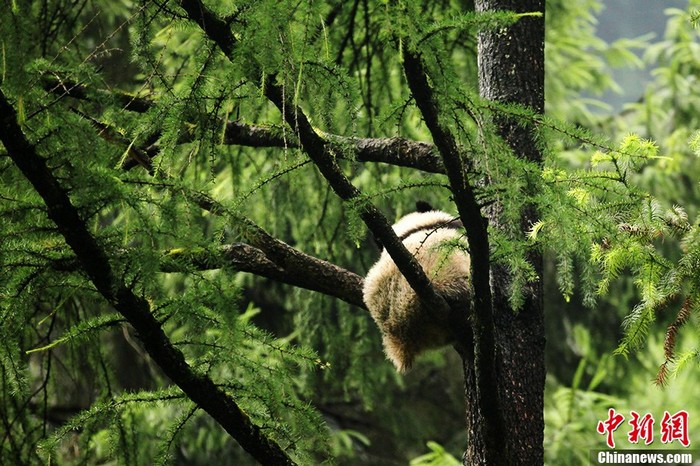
[[399, 352]]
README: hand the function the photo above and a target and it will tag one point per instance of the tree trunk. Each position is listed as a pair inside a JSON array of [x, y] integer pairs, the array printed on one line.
[[511, 70]]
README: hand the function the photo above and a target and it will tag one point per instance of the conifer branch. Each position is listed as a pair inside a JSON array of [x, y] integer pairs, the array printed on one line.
[[135, 309], [269, 257], [394, 151], [281, 263], [67, 88], [289, 266], [672, 330], [323, 155], [476, 226]]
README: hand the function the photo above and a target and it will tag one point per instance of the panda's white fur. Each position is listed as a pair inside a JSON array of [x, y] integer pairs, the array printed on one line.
[[408, 327]]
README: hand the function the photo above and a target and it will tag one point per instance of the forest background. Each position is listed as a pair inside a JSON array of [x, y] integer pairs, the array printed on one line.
[[103, 86]]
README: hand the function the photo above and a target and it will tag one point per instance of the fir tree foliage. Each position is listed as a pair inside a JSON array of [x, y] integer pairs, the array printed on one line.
[[621, 228], [665, 335], [171, 119], [184, 153], [661, 225]]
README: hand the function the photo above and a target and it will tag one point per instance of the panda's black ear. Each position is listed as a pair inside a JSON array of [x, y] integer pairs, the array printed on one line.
[[379, 244], [422, 206]]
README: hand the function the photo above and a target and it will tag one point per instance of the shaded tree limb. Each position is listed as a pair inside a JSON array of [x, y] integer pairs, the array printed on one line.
[[323, 157], [270, 257], [136, 310], [491, 430], [292, 267], [394, 151], [66, 88], [266, 256], [137, 156]]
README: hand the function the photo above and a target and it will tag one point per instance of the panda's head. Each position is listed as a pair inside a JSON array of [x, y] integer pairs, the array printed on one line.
[[424, 221], [425, 218]]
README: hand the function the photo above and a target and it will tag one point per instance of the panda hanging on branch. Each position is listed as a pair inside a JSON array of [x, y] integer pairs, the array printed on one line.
[[408, 327]]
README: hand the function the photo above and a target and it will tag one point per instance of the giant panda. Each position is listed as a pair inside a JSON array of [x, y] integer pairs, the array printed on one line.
[[436, 240]]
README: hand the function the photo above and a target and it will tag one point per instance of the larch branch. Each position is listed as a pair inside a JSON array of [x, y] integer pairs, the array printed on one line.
[[135, 309], [269, 257], [323, 157], [476, 226], [290, 266], [394, 151]]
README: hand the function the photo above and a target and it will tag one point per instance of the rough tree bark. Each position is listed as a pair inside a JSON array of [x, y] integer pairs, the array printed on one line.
[[511, 70]]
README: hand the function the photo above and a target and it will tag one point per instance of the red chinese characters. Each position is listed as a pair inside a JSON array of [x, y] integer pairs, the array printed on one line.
[[675, 427], [672, 427], [608, 426], [641, 427]]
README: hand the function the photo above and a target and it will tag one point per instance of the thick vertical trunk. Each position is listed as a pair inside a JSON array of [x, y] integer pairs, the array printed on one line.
[[511, 69]]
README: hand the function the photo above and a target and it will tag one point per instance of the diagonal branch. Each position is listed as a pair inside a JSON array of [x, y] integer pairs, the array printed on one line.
[[65, 88], [137, 311], [267, 257], [323, 155], [291, 267], [476, 226]]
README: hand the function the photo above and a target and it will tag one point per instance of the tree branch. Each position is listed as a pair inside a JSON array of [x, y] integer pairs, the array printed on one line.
[[269, 257], [476, 226], [94, 261], [395, 151], [323, 156], [65, 88], [291, 267]]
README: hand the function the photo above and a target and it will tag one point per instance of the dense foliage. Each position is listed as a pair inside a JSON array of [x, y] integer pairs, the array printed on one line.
[[169, 139]]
